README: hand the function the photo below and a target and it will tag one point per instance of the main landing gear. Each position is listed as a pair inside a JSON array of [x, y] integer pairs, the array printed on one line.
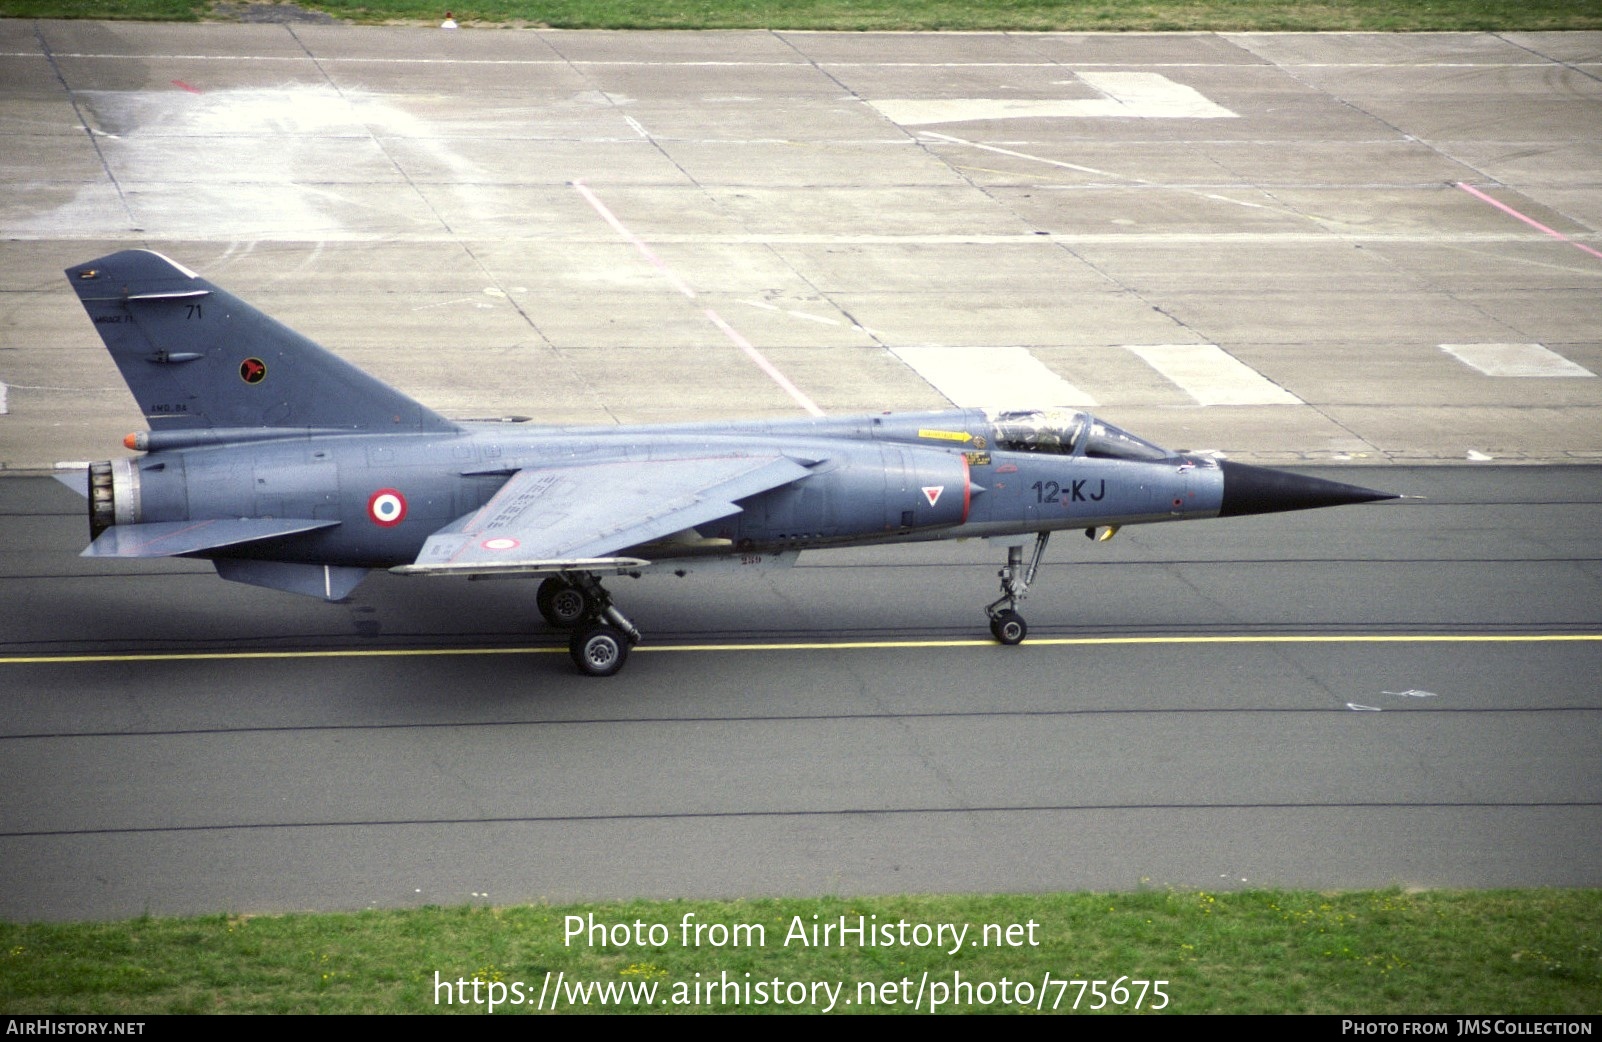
[[602, 635], [1006, 625]]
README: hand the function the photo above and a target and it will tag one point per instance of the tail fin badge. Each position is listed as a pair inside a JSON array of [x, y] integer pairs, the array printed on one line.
[[253, 370]]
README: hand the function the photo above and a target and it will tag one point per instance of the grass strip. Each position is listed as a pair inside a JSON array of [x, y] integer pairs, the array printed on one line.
[[1259, 951]]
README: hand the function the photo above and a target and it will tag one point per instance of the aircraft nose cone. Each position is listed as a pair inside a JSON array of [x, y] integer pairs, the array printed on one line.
[[1259, 490]]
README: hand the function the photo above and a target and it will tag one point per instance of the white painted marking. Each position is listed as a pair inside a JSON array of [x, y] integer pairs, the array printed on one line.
[[1127, 95], [914, 112], [3, 392], [1362, 708], [1213, 377], [1020, 155], [1151, 95], [1476, 456], [992, 376], [822, 319], [933, 135], [765, 306], [1411, 692], [1515, 360]]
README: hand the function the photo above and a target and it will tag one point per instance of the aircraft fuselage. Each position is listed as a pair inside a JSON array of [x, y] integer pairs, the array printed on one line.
[[872, 479]]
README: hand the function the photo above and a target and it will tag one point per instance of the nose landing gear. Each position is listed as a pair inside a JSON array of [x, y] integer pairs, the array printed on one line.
[[1006, 625]]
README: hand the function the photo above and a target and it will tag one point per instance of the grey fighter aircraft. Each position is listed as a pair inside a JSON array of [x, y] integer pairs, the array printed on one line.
[[287, 467]]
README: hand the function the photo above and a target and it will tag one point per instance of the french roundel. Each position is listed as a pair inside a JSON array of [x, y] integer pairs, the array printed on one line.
[[387, 507]]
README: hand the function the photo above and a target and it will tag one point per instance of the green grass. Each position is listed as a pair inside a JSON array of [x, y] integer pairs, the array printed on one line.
[[1065, 15], [136, 10], [1440, 952]]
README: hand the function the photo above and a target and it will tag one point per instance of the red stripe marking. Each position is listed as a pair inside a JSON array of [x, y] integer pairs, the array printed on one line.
[[967, 489], [1532, 222], [185, 86]]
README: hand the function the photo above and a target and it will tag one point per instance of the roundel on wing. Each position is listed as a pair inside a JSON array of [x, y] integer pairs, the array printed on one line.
[[386, 507], [253, 370]]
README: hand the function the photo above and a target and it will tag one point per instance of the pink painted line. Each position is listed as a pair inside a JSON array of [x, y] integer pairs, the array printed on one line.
[[185, 86], [1532, 222], [762, 363], [610, 218], [717, 320]]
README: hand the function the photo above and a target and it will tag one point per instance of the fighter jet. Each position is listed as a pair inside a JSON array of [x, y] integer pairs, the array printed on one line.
[[289, 468]]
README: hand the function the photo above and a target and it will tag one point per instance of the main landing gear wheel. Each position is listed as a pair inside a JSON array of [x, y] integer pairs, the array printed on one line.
[[563, 604], [599, 650], [1008, 627], [603, 636]]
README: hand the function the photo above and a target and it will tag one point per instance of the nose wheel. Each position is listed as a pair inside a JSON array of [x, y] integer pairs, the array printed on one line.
[[1006, 625]]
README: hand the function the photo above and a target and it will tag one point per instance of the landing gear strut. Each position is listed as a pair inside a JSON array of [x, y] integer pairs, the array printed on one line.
[[1006, 625], [602, 635]]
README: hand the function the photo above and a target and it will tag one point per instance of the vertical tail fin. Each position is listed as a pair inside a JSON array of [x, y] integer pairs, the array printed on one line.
[[196, 356]]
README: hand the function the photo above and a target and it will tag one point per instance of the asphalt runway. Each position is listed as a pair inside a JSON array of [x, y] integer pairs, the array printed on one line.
[[1392, 694]]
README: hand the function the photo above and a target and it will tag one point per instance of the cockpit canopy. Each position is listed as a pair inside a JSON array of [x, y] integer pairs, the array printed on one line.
[[1060, 432]]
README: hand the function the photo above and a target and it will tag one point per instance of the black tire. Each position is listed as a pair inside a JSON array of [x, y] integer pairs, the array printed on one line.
[[562, 604], [599, 650], [1008, 627]]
